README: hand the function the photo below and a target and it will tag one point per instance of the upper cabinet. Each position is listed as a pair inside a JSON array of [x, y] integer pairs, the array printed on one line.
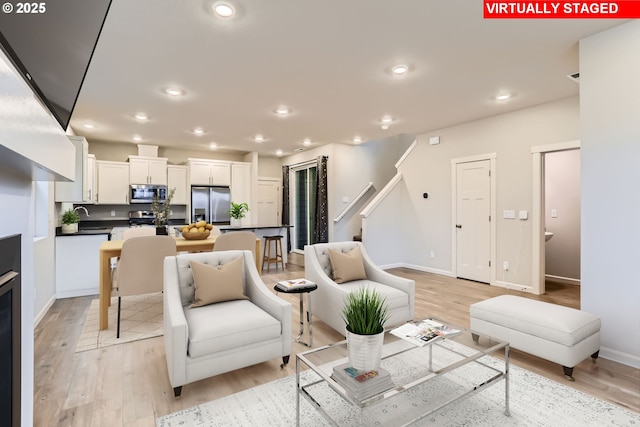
[[177, 178], [78, 190], [113, 182], [147, 170], [209, 172]]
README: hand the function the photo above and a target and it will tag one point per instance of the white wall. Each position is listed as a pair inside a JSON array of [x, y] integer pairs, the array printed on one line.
[[428, 169], [28, 129], [610, 141], [562, 195]]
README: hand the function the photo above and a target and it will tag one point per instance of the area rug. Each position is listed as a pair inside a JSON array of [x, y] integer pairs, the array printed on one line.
[[141, 318], [534, 401]]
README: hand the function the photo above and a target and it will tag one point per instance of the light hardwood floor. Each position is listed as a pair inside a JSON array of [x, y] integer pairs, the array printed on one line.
[[127, 385]]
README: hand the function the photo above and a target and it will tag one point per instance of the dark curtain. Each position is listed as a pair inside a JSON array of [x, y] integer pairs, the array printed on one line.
[[321, 232], [285, 204]]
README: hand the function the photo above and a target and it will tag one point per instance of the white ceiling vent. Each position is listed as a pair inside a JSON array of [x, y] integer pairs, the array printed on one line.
[[575, 77]]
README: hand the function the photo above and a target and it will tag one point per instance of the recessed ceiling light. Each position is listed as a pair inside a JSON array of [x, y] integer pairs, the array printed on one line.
[[137, 138], [400, 69], [174, 91], [141, 116], [258, 138], [384, 126], [283, 111], [89, 126], [306, 141], [198, 131], [279, 152], [386, 119], [223, 10], [357, 139], [503, 96], [213, 146]]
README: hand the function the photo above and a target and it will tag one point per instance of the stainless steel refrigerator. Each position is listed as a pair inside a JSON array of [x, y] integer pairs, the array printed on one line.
[[210, 203]]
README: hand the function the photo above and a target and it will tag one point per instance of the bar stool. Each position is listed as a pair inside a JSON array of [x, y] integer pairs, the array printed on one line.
[[277, 258]]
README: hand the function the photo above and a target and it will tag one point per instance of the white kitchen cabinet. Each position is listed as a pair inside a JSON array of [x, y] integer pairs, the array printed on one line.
[[241, 187], [147, 170], [113, 182], [209, 172], [77, 271], [76, 191], [91, 179], [177, 178]]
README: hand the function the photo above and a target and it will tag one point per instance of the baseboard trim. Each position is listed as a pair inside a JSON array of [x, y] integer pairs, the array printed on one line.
[[44, 310], [78, 293], [560, 279], [418, 268], [620, 357], [513, 286]]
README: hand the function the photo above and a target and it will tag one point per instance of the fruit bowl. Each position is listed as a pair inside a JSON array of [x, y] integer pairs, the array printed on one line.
[[198, 235]]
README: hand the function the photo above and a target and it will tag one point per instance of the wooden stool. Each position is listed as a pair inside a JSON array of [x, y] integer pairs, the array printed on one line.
[[277, 258]]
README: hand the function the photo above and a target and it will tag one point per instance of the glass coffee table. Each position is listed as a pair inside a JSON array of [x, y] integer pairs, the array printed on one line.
[[425, 379]]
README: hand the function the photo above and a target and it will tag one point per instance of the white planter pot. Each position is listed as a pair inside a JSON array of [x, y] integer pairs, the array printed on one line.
[[236, 222], [365, 351], [69, 228]]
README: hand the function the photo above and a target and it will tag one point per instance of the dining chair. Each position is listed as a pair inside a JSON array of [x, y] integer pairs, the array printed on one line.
[[138, 232], [236, 240], [139, 269]]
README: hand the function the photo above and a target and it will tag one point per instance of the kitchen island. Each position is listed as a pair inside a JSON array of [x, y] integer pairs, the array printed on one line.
[[261, 231]]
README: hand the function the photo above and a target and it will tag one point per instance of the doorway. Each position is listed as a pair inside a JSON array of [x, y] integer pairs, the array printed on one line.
[[538, 215], [305, 182], [473, 238]]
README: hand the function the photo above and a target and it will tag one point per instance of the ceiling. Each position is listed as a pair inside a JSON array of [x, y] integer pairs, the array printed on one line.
[[329, 61]]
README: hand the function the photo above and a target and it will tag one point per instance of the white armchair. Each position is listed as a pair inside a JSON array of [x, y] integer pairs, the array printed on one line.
[[205, 341], [328, 299]]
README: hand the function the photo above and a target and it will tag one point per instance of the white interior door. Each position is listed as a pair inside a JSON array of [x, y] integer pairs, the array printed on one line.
[[268, 202], [473, 224]]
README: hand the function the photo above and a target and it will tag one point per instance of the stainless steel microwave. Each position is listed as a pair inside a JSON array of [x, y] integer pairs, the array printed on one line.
[[144, 193]]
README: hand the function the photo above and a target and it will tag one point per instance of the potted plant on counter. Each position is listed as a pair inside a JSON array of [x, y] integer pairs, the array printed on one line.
[[365, 312], [70, 220], [161, 212], [237, 212]]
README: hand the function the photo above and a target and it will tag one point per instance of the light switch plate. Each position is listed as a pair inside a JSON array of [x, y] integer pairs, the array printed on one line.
[[509, 214], [434, 140], [554, 213]]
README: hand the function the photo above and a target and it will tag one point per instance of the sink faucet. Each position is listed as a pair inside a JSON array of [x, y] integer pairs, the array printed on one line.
[[83, 208]]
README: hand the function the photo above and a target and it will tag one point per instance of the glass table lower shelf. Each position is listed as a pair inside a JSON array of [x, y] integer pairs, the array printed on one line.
[[425, 379]]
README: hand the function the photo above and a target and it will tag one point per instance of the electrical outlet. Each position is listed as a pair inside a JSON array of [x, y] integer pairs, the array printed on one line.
[[113, 213], [432, 254], [505, 265]]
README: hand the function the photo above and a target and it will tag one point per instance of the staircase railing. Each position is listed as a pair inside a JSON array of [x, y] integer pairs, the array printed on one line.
[[354, 201]]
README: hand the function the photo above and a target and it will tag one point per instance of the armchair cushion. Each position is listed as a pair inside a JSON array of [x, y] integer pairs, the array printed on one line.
[[217, 283], [395, 298], [239, 324], [347, 266]]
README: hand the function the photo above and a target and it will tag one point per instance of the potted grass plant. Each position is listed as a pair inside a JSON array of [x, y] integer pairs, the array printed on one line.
[[70, 220], [365, 312]]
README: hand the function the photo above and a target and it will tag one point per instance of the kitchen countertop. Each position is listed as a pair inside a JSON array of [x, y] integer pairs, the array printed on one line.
[[89, 231], [251, 227]]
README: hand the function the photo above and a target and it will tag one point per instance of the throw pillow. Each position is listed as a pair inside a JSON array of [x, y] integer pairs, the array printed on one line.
[[347, 266], [217, 284]]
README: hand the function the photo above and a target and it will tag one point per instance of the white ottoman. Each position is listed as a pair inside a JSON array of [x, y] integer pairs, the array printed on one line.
[[560, 334]]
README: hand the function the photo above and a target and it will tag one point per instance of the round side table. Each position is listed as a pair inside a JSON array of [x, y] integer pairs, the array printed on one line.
[[306, 289]]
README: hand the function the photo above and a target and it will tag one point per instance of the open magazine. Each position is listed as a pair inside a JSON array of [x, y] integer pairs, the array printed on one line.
[[423, 332], [289, 285]]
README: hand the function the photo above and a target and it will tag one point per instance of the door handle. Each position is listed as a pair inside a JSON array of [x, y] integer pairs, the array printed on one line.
[[458, 226]]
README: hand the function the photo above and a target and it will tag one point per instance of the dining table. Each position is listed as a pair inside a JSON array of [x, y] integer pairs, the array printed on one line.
[[113, 248]]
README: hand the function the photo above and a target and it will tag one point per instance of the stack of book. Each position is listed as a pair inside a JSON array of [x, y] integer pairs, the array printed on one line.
[[361, 385]]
